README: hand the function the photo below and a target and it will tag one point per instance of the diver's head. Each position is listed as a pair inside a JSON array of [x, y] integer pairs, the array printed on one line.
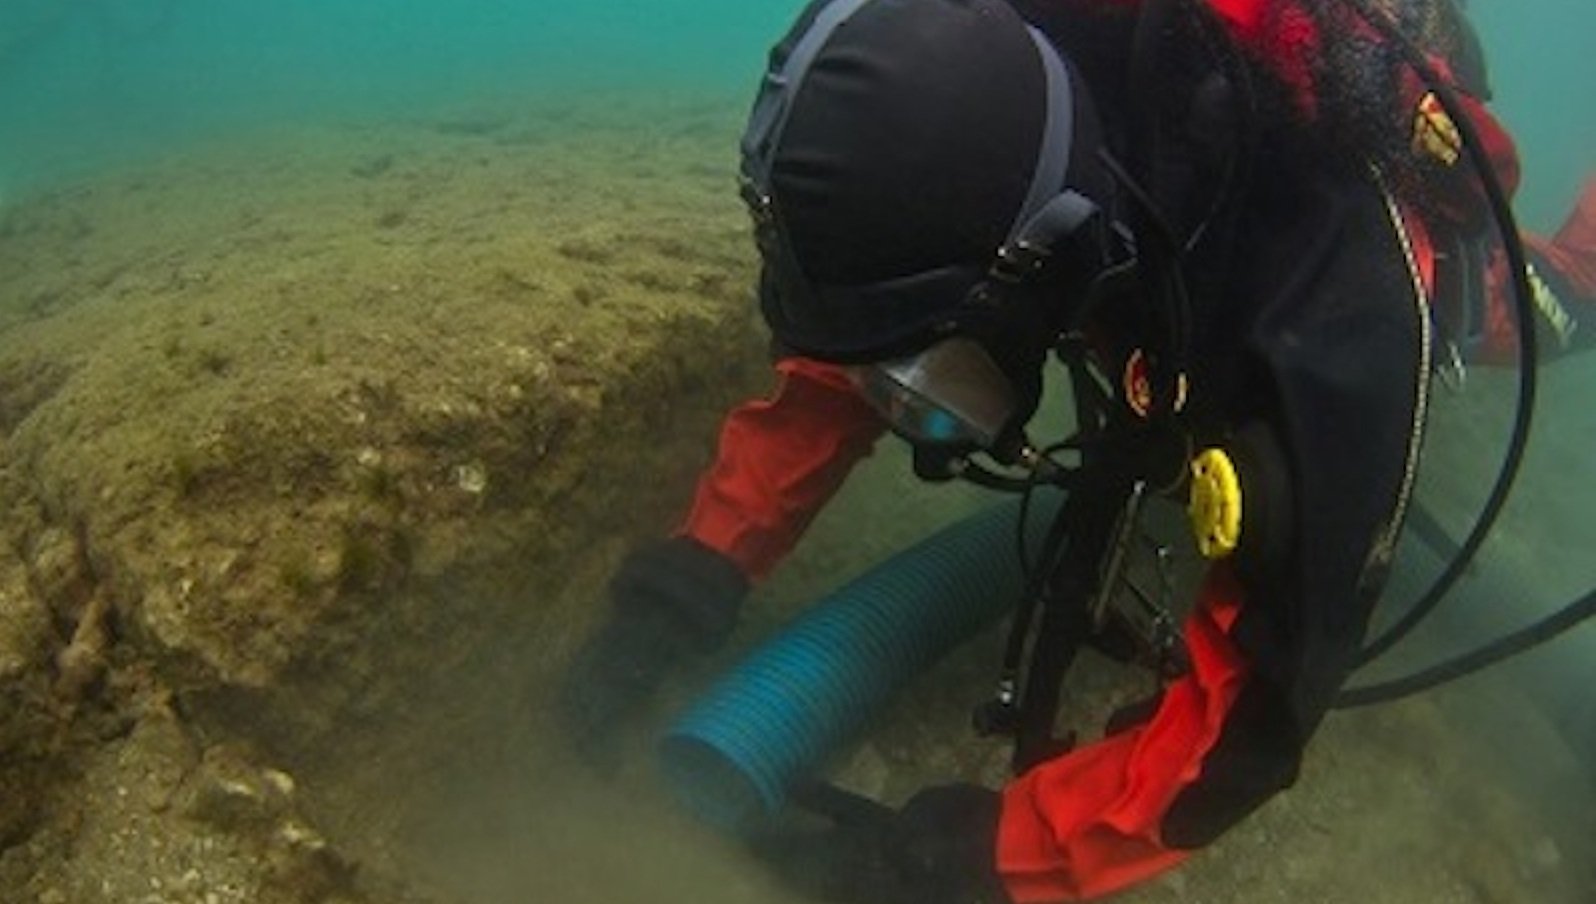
[[924, 183]]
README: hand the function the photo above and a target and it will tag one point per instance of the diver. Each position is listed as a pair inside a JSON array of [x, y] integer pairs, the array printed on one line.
[[1206, 210], [1566, 260], [1563, 274], [1470, 280]]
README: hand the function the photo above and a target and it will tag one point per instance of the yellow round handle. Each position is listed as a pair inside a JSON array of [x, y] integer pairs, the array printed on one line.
[[1215, 506]]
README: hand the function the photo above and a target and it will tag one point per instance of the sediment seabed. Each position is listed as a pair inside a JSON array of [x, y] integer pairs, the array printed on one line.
[[316, 447]]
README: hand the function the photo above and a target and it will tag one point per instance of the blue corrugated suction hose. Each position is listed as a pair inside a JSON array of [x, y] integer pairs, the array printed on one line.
[[777, 717]]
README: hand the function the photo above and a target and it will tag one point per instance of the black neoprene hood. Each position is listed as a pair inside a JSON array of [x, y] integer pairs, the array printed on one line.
[[907, 151]]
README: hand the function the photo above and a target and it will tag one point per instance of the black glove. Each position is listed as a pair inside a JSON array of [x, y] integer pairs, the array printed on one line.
[[672, 599], [939, 849]]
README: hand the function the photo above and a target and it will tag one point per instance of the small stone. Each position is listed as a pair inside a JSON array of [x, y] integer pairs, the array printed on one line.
[[867, 772], [281, 782], [227, 803], [297, 834], [471, 478]]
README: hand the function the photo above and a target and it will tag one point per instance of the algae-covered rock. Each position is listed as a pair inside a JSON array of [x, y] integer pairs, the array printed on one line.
[[24, 624], [26, 705], [257, 441], [324, 452]]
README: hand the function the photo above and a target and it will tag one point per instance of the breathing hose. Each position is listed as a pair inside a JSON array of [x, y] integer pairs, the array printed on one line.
[[763, 731]]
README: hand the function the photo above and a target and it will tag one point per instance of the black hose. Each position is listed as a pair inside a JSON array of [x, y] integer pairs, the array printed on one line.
[[1157, 244], [1488, 655], [992, 480]]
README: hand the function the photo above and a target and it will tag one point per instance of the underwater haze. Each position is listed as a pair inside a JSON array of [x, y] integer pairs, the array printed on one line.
[[95, 82], [347, 345], [1543, 69], [87, 83]]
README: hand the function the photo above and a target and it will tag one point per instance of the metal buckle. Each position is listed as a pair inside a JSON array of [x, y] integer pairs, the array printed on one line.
[[762, 210], [760, 206], [1144, 612], [1451, 371], [1148, 616], [1018, 261]]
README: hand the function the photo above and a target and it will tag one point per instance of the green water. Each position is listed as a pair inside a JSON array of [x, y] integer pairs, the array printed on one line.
[[1543, 65], [85, 83], [92, 82]]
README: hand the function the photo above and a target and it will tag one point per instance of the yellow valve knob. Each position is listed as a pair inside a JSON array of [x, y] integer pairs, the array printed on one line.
[[1215, 506]]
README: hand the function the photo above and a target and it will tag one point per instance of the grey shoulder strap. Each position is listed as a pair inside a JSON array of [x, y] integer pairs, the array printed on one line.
[[780, 86]]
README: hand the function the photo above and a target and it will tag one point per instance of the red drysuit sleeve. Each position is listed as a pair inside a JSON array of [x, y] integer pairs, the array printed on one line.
[[1571, 253], [778, 462], [1086, 823], [1567, 264]]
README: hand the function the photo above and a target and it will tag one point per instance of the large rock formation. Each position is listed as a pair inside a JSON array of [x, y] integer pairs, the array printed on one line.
[[301, 433]]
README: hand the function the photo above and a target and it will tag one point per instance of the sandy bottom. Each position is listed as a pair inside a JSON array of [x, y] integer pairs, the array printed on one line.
[[1466, 795], [327, 238]]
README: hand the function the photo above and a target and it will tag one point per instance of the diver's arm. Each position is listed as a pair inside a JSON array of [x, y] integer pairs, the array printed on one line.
[[1568, 259], [1563, 279], [779, 461]]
